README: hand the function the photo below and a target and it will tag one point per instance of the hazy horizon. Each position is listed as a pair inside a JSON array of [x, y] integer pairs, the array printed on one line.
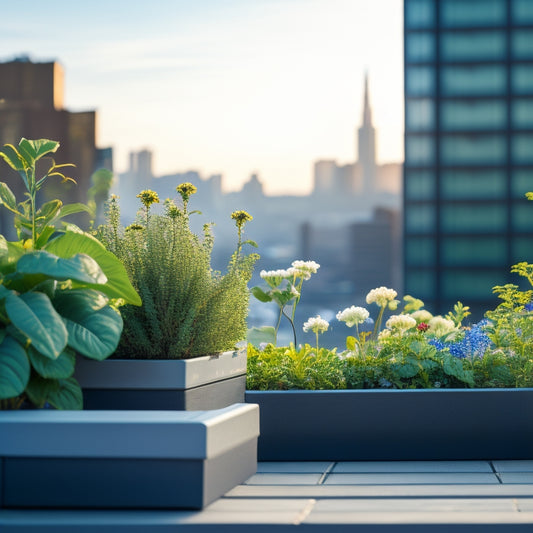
[[231, 87]]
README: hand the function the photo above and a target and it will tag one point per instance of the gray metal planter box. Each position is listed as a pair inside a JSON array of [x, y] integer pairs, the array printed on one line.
[[209, 382], [125, 459], [376, 425]]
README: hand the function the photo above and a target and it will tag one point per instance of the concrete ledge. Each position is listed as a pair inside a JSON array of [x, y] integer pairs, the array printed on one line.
[[125, 459]]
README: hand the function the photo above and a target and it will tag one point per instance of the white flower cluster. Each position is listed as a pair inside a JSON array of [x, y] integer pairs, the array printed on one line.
[[400, 323], [422, 316], [274, 277], [316, 324], [353, 315], [382, 296], [303, 269], [440, 326]]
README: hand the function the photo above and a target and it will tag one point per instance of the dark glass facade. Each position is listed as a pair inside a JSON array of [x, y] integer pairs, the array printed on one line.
[[468, 148]]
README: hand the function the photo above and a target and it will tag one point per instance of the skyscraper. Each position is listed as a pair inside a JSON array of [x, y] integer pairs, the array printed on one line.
[[468, 148], [366, 141]]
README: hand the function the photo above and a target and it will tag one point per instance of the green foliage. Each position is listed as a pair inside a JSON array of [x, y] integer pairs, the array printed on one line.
[[54, 295], [188, 310], [284, 368]]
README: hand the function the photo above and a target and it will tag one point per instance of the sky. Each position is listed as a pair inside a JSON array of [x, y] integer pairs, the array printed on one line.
[[229, 87]]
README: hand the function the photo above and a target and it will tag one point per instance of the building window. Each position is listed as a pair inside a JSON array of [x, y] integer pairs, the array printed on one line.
[[420, 47], [473, 115], [420, 251], [420, 283], [522, 148], [419, 13], [420, 219], [522, 11], [473, 46], [464, 251], [522, 113], [420, 81], [522, 217], [522, 79], [473, 80], [465, 284], [522, 182], [522, 44], [420, 114], [419, 184], [419, 151], [469, 218], [473, 150], [473, 185], [458, 13], [521, 250]]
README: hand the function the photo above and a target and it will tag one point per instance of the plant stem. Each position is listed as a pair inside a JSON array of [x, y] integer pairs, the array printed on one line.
[[292, 325]]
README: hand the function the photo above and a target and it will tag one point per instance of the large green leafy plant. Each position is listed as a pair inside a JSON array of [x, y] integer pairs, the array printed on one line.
[[188, 309], [59, 290]]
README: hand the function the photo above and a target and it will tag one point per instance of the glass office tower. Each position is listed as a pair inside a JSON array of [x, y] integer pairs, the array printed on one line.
[[468, 148]]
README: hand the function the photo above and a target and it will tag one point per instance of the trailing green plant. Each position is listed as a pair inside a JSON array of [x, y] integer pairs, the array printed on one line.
[[188, 309], [59, 291]]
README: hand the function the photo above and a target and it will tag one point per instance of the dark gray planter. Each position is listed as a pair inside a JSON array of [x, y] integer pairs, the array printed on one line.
[[395, 425], [210, 382], [125, 459]]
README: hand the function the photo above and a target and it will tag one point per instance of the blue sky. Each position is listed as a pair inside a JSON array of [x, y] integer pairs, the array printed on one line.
[[224, 86]]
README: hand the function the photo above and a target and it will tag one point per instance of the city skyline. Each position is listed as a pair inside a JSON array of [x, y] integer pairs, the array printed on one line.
[[234, 88]]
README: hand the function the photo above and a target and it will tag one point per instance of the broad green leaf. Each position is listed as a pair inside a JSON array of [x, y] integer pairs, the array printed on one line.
[[7, 197], [37, 148], [257, 336], [13, 158], [32, 313], [10, 253], [14, 368], [408, 369], [39, 389], [48, 211], [43, 237], [80, 267], [71, 209], [97, 335], [454, 367], [62, 367], [260, 294], [68, 396], [78, 304], [118, 284]]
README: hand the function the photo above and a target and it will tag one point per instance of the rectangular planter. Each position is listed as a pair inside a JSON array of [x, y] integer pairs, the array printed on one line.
[[395, 425], [125, 459], [210, 382]]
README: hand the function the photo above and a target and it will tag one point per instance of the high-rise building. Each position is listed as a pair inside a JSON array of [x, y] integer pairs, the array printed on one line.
[[366, 141], [468, 148], [32, 106]]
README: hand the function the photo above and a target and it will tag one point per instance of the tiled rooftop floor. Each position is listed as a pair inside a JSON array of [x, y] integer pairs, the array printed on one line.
[[444, 496]]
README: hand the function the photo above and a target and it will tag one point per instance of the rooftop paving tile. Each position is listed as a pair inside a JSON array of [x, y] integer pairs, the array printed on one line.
[[420, 478], [513, 466], [411, 466], [284, 479], [295, 467], [516, 477]]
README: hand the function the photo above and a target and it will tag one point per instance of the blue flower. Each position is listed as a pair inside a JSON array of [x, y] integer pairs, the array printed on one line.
[[529, 306], [474, 343]]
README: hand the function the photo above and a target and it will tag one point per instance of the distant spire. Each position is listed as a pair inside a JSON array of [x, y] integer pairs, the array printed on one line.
[[367, 113]]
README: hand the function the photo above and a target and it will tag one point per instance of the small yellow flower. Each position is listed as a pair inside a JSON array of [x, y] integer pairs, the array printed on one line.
[[134, 227], [148, 197], [186, 190], [241, 217]]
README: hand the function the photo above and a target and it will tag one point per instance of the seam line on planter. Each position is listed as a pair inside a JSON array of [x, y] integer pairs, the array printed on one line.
[[326, 473], [496, 473], [305, 512]]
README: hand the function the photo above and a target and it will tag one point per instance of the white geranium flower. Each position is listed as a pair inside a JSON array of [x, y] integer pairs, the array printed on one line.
[[382, 296], [353, 315], [440, 326], [316, 324], [400, 323]]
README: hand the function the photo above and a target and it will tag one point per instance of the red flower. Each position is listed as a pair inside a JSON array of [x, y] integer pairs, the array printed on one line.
[[422, 326]]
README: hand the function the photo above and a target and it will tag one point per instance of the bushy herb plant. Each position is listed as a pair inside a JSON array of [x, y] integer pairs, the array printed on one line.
[[59, 288], [188, 309]]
